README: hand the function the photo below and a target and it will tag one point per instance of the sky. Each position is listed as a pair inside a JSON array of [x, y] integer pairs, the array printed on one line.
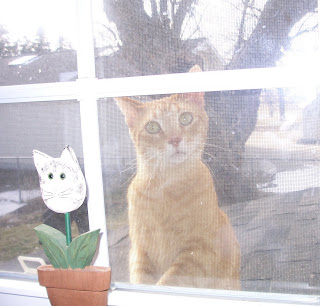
[[25, 18], [218, 19]]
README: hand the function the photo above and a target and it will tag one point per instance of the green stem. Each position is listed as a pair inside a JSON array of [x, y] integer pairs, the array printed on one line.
[[68, 227]]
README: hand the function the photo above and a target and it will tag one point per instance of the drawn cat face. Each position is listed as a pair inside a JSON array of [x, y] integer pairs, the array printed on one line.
[[62, 183], [171, 130]]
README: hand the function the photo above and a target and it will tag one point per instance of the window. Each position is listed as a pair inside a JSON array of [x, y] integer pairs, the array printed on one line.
[[259, 59], [29, 126]]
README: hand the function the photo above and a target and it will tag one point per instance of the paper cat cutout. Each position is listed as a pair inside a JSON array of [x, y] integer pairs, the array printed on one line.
[[62, 183], [179, 235]]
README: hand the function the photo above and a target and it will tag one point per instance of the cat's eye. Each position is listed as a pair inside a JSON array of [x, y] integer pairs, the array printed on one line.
[[185, 119], [153, 127], [62, 176], [50, 176]]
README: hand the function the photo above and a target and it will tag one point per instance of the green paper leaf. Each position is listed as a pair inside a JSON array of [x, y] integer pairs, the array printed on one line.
[[81, 250], [54, 245]]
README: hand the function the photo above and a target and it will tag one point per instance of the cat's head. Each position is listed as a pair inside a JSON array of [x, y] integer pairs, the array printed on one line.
[[62, 183], [171, 130]]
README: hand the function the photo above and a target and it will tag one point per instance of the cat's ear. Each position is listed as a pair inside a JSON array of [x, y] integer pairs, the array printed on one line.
[[69, 155], [40, 159], [195, 68], [130, 109], [196, 98]]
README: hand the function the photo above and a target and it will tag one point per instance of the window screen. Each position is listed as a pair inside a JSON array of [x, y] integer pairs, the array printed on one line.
[[47, 127], [258, 149], [262, 151], [150, 37]]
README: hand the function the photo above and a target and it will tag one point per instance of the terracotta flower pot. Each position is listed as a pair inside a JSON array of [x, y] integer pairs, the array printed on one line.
[[87, 286]]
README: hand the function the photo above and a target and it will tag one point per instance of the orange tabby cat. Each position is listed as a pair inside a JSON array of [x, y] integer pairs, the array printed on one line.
[[179, 235]]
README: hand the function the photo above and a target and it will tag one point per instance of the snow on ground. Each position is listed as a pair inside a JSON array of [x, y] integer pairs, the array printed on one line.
[[9, 200], [301, 179]]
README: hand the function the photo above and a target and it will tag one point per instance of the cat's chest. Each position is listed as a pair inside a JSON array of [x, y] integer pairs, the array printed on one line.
[[165, 191]]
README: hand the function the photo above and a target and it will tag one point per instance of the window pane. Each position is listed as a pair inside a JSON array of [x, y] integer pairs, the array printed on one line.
[[262, 151], [34, 47], [160, 36], [47, 127]]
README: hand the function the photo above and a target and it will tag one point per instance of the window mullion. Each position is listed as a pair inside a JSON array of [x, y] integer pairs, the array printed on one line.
[[90, 127]]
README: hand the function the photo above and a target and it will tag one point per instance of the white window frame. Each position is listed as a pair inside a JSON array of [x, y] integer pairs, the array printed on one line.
[[87, 90]]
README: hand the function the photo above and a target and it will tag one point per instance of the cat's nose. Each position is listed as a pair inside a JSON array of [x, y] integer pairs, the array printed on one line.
[[175, 141]]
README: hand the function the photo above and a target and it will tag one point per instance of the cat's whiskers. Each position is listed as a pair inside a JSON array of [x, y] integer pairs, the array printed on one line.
[[131, 167], [129, 179], [216, 159], [132, 161], [147, 157], [233, 126], [216, 146], [147, 160]]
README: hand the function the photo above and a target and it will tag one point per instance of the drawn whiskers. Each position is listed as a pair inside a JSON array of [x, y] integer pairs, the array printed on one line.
[[48, 195], [65, 194]]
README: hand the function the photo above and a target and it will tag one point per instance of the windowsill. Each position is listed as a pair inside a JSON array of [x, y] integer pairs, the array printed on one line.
[[13, 292]]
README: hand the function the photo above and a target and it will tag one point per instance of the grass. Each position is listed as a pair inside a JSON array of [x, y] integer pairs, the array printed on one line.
[[117, 210], [17, 236], [17, 240]]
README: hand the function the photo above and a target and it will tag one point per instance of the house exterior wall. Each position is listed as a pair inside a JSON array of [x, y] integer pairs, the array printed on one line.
[[49, 126], [45, 126]]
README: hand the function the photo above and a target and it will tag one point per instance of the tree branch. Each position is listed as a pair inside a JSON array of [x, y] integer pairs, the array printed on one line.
[[183, 9], [271, 33], [301, 32], [154, 9], [240, 39]]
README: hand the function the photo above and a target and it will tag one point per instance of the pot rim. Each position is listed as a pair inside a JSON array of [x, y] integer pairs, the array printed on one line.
[[91, 278]]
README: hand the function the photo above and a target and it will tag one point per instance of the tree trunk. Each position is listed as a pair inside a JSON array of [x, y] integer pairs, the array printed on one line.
[[234, 113], [151, 44]]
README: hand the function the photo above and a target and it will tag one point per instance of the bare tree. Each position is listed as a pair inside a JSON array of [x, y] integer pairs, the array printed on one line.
[[7, 48], [151, 43]]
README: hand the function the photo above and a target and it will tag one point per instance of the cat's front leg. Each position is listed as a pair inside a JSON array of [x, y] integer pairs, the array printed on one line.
[[181, 273], [141, 269], [202, 269]]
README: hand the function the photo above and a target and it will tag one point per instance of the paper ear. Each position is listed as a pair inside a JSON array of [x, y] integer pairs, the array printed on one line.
[[39, 159], [69, 155], [130, 109]]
